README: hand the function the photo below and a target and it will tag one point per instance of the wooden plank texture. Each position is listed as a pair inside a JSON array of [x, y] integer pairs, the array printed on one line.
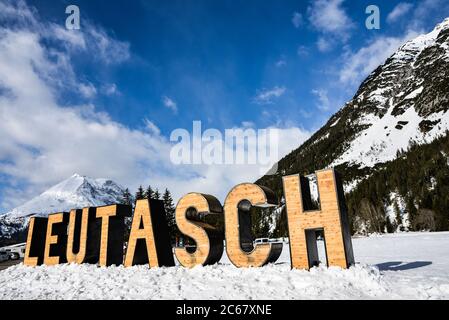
[[209, 240], [262, 253], [80, 245], [112, 233], [332, 218], [56, 240], [35, 247], [151, 243]]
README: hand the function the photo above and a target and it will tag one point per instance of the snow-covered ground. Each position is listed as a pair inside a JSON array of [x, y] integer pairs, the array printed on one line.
[[399, 266]]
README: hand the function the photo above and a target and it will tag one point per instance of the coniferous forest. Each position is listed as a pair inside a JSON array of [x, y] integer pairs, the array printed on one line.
[[410, 193]]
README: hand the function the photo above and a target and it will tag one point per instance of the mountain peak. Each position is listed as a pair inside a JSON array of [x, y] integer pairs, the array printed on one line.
[[444, 24], [75, 192]]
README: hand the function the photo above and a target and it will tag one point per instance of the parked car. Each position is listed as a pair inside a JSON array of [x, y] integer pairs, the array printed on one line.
[[15, 252], [266, 240], [262, 240], [4, 256]]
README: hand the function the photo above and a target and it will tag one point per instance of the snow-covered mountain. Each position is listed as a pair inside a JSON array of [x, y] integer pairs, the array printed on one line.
[[404, 100], [402, 103], [75, 192]]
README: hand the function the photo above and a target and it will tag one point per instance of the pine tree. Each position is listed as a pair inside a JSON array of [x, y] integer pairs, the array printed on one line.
[[260, 222], [126, 198], [157, 195], [149, 193], [398, 216], [389, 227], [170, 213], [140, 194], [281, 230], [412, 212]]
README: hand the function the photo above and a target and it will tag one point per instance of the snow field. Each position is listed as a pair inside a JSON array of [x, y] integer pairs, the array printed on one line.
[[399, 266]]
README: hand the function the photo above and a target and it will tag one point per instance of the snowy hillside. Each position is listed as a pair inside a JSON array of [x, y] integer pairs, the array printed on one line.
[[404, 100], [390, 142], [401, 266], [74, 193]]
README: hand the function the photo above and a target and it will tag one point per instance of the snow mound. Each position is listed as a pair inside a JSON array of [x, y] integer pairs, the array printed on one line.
[[211, 282], [398, 266]]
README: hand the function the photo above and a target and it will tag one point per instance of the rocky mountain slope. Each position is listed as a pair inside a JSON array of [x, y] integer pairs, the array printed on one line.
[[74, 193], [402, 105]]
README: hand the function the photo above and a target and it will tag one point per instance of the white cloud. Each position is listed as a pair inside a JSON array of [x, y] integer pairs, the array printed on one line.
[[328, 16], [110, 89], [302, 51], [428, 8], [88, 90], [170, 104], [297, 19], [154, 129], [361, 63], [110, 51], [399, 11], [267, 96], [43, 142], [72, 38], [248, 124], [280, 63], [324, 44], [330, 19], [92, 39], [306, 114], [323, 99]]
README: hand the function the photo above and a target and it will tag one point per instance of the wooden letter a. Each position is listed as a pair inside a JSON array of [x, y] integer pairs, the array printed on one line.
[[149, 240]]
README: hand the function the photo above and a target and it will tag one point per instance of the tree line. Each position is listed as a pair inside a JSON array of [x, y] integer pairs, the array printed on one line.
[[149, 193]]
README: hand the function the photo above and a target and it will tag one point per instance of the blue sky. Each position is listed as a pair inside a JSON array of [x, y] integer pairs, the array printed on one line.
[[145, 68], [212, 58]]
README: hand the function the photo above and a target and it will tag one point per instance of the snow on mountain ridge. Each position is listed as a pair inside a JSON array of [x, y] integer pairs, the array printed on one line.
[[403, 101], [73, 193]]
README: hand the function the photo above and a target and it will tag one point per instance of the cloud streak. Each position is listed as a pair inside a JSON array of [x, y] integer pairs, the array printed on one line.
[[170, 104], [297, 20], [267, 96], [328, 16], [323, 99], [399, 11]]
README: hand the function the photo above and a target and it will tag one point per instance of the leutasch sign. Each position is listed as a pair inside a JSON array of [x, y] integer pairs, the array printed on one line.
[[96, 235]]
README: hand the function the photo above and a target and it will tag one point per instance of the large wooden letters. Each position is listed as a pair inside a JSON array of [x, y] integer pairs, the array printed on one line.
[[332, 218], [149, 240], [112, 233], [83, 243], [56, 240], [96, 235], [209, 240], [239, 202], [35, 248]]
